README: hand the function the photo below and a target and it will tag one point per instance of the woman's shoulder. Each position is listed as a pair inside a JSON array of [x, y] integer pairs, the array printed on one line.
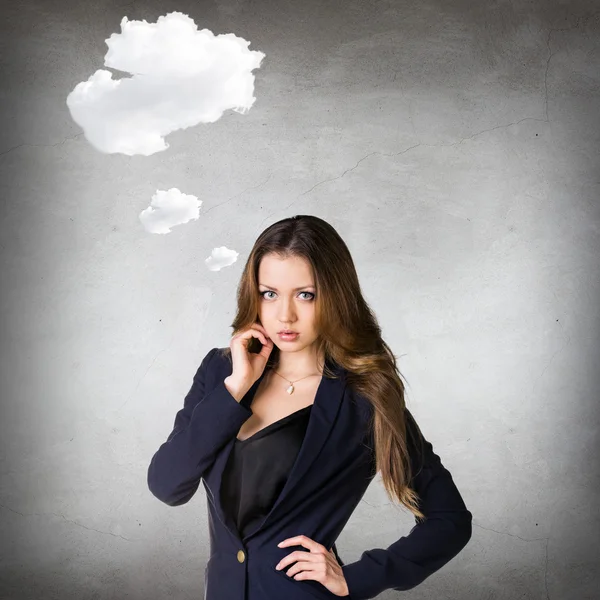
[[219, 354], [213, 360]]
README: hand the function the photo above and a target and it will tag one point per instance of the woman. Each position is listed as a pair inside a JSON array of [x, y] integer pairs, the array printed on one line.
[[287, 432]]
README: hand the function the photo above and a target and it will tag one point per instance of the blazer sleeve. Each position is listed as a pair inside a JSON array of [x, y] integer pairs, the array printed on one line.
[[207, 421], [430, 544]]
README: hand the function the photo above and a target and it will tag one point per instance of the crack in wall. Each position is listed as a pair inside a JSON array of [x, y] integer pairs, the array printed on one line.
[[580, 19], [240, 193], [542, 539], [511, 534], [41, 145], [68, 521]]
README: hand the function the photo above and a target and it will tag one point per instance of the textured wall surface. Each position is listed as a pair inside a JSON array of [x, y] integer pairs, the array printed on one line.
[[454, 145]]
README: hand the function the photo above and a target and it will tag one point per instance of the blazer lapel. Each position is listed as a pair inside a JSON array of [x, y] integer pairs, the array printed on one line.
[[322, 418]]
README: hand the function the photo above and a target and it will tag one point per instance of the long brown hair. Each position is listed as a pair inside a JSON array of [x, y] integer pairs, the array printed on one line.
[[349, 334]]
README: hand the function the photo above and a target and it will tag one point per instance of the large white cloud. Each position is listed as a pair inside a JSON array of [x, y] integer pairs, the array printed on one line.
[[180, 77]]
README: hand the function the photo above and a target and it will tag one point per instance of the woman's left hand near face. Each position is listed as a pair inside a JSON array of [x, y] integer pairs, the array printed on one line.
[[318, 564]]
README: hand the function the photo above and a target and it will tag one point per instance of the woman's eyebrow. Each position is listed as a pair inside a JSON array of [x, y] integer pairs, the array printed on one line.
[[295, 289]]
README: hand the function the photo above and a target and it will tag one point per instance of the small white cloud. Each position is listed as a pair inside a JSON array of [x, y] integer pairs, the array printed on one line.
[[221, 257], [180, 77], [169, 208]]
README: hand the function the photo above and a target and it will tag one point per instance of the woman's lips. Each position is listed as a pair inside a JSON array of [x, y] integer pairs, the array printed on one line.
[[288, 337]]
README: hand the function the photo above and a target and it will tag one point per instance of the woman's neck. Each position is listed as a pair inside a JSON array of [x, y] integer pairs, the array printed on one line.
[[293, 368]]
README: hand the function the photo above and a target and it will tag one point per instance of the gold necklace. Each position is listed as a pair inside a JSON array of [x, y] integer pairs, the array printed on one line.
[[290, 390]]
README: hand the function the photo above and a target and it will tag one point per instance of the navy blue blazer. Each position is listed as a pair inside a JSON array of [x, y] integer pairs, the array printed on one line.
[[333, 469]]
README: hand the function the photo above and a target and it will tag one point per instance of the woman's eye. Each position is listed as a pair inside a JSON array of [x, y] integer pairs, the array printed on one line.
[[272, 292]]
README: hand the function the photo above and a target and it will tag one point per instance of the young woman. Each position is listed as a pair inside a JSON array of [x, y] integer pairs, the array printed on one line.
[[286, 432]]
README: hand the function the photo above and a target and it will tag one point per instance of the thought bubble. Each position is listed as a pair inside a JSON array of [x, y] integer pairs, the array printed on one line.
[[221, 257], [180, 77], [168, 209]]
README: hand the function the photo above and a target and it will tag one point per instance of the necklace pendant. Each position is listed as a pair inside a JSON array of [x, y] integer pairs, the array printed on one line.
[[290, 390]]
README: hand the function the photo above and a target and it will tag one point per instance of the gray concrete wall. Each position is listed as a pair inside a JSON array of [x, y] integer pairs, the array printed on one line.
[[455, 147]]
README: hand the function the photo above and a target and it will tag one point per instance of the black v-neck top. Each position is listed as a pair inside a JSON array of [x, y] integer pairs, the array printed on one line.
[[258, 468]]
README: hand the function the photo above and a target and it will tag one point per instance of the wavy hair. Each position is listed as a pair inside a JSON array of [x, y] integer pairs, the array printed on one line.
[[349, 334]]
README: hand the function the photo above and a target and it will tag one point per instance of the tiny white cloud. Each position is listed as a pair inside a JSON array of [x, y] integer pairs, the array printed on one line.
[[168, 209], [221, 257], [180, 77]]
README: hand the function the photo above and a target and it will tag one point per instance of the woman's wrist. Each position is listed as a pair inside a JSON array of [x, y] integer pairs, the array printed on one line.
[[235, 388]]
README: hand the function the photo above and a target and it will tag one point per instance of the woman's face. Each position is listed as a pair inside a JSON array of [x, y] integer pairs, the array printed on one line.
[[287, 301]]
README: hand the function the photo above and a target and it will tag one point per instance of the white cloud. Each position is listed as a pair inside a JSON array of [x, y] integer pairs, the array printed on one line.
[[180, 77], [169, 208], [221, 257]]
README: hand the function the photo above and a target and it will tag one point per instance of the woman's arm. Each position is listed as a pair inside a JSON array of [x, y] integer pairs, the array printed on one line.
[[430, 544], [202, 427]]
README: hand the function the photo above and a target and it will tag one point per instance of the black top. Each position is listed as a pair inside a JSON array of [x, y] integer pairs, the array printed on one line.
[[258, 468]]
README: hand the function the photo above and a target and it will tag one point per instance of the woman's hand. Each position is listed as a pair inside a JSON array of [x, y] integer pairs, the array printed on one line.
[[248, 366], [319, 564]]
